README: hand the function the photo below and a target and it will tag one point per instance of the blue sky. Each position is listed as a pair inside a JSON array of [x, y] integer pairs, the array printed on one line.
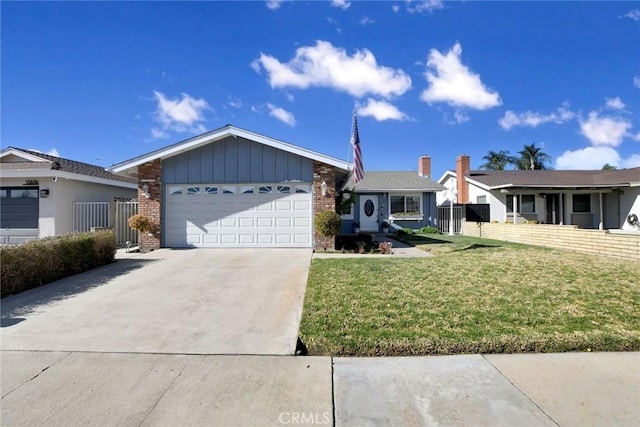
[[102, 82]]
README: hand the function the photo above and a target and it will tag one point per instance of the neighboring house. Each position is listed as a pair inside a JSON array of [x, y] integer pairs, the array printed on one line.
[[406, 199], [593, 199], [230, 188], [38, 193]]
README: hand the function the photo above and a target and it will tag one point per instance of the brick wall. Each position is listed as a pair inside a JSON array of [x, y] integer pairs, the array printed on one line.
[[595, 242], [150, 174], [323, 172]]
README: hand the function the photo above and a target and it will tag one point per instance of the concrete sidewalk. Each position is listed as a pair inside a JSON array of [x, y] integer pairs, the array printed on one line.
[[67, 388]]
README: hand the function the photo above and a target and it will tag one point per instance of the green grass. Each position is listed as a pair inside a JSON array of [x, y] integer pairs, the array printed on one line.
[[474, 296]]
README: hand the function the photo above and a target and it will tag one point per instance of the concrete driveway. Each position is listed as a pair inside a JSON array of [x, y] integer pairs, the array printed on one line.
[[199, 301]]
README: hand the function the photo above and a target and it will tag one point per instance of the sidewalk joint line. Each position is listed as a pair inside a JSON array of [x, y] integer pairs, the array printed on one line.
[[521, 391]]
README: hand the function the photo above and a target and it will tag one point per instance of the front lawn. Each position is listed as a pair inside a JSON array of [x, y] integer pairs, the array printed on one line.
[[474, 296]]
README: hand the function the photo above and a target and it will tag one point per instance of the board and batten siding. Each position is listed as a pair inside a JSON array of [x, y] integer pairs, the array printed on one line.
[[236, 160]]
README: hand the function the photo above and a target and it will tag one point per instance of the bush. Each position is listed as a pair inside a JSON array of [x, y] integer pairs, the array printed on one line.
[[43, 261], [428, 230], [328, 223], [140, 222]]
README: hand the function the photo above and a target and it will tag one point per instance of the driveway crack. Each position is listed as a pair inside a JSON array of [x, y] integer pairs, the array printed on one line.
[[36, 375]]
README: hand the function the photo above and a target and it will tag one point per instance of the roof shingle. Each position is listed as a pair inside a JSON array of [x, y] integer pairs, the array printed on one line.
[[401, 180]]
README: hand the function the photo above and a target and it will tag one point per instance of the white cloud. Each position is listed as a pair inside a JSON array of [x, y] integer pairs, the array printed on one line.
[[459, 117], [636, 81], [53, 152], [604, 130], [324, 65], [595, 158], [274, 4], [179, 115], [588, 158], [453, 83], [534, 118], [395, 8], [380, 110], [289, 96], [365, 20], [423, 6], [633, 14], [615, 103], [158, 134], [281, 114], [234, 102], [342, 4]]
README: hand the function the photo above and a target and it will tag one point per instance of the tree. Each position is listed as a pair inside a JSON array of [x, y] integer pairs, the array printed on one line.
[[496, 161], [608, 167], [532, 158]]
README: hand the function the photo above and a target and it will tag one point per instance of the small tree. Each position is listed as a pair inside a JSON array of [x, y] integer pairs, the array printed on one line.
[[140, 222], [328, 223]]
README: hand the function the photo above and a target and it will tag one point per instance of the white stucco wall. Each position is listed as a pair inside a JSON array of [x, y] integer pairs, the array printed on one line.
[[56, 210], [69, 191], [629, 204]]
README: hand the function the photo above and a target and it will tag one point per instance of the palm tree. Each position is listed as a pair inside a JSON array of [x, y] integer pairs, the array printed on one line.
[[496, 161], [532, 158]]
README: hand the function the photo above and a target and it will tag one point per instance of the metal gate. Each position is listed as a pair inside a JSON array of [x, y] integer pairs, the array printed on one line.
[[444, 214], [124, 233], [88, 215]]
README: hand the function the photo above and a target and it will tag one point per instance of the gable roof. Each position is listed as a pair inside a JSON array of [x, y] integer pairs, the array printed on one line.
[[29, 161], [491, 179], [219, 134], [394, 181]]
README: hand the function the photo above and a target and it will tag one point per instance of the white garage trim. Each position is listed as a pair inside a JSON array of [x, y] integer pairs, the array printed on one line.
[[235, 215]]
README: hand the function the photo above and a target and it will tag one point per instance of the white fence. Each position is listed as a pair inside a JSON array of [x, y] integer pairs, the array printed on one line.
[[124, 233], [88, 215]]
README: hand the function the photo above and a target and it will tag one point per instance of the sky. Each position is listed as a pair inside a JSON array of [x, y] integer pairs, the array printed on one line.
[[102, 82]]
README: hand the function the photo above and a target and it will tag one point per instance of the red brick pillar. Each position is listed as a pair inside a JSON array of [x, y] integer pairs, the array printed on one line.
[[150, 174], [323, 173]]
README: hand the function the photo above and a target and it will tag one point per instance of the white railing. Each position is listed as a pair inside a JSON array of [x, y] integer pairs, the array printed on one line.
[[90, 215], [124, 233]]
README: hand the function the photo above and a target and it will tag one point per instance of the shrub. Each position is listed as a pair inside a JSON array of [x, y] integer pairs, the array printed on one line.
[[408, 230], [428, 230], [140, 222], [328, 223], [43, 261]]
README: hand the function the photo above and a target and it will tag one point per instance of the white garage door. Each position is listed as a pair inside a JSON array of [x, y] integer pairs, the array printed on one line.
[[212, 215]]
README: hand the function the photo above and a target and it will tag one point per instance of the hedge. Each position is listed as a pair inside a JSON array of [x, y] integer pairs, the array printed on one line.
[[43, 261]]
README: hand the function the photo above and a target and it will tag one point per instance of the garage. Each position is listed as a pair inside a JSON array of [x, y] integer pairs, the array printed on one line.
[[231, 187], [19, 213], [236, 215]]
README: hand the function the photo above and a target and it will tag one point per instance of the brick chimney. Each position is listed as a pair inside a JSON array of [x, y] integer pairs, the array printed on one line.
[[424, 166], [463, 166]]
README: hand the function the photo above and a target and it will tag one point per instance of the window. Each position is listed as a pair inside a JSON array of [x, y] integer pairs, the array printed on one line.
[[211, 190], [193, 190], [582, 202], [265, 189], [481, 199], [528, 203], [175, 190], [284, 189], [227, 189], [3, 194], [303, 189], [247, 189], [405, 206]]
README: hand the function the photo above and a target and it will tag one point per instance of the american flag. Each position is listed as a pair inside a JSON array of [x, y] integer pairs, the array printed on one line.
[[358, 168]]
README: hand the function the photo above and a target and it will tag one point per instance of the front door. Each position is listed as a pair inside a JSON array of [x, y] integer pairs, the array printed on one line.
[[553, 209], [368, 213]]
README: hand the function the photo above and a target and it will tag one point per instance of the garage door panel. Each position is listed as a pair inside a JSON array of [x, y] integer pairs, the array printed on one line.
[[265, 222], [283, 205], [268, 219]]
